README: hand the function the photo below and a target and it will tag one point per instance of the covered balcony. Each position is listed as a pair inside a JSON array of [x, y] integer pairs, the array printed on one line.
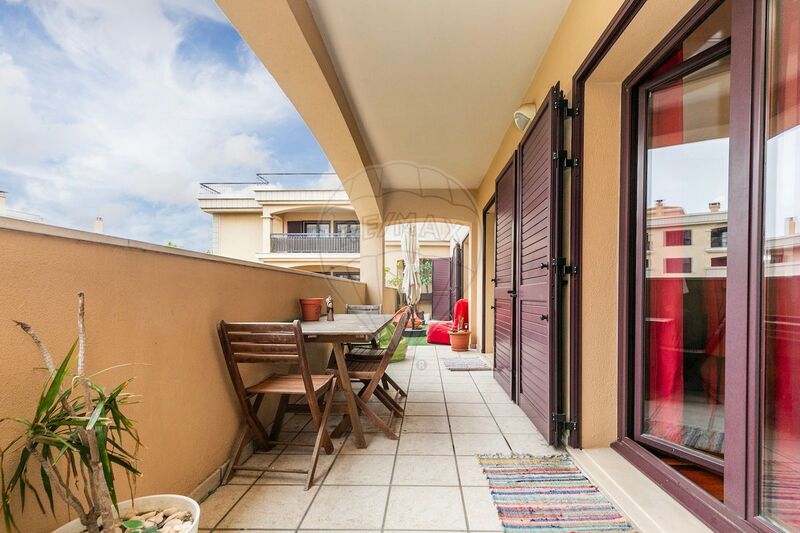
[[533, 126]]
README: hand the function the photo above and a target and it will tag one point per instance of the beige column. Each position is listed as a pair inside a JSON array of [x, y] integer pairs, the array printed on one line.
[[266, 230], [372, 259]]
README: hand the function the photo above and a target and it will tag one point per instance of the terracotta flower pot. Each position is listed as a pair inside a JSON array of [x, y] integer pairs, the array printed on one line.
[[459, 340], [311, 307]]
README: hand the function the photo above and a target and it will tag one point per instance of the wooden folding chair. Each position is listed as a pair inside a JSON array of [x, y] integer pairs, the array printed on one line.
[[267, 342], [370, 370], [363, 309], [362, 352]]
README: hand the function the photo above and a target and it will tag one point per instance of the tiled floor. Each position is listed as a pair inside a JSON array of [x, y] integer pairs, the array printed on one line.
[[429, 480]]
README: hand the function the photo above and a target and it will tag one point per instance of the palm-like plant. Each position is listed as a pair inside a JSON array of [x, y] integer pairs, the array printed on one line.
[[72, 441]]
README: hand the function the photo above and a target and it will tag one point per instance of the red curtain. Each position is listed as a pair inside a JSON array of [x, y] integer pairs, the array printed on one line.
[[665, 295], [666, 119], [665, 343], [785, 100], [713, 369], [782, 345]]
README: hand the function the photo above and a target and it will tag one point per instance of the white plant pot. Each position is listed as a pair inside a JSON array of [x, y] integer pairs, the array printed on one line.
[[146, 503]]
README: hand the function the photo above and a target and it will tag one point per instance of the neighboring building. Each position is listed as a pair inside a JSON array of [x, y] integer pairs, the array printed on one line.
[[315, 230], [686, 245], [13, 213], [695, 245]]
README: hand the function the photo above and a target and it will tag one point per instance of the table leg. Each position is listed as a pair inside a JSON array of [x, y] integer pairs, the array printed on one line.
[[349, 395]]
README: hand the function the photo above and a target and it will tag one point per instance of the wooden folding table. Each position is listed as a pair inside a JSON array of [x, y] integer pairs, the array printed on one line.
[[349, 329]]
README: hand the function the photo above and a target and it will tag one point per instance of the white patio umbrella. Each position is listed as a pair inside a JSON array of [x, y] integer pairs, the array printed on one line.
[[409, 246]]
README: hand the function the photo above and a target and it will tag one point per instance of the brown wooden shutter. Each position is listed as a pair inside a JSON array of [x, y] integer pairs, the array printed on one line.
[[504, 312], [440, 289], [456, 275], [539, 281]]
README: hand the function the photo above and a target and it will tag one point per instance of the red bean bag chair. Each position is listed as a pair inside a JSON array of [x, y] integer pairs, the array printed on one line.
[[439, 331]]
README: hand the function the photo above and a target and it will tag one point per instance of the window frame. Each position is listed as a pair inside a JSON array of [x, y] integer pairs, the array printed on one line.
[[684, 263], [318, 223], [685, 240], [337, 223], [723, 237]]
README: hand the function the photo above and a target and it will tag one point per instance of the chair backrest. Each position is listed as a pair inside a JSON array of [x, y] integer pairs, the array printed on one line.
[[363, 309], [263, 342], [398, 331]]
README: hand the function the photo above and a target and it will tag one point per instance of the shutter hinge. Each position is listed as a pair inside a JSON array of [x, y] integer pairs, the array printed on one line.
[[563, 268], [561, 419], [564, 161], [563, 103]]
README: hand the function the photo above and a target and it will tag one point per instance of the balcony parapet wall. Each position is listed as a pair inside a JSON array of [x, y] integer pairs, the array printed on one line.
[[154, 308]]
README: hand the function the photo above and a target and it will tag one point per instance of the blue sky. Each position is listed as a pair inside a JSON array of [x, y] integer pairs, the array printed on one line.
[[118, 109]]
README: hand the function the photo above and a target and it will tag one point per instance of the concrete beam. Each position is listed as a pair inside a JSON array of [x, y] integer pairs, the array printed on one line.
[[285, 37]]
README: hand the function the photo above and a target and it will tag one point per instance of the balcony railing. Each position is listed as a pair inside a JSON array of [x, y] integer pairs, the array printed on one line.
[[333, 243]]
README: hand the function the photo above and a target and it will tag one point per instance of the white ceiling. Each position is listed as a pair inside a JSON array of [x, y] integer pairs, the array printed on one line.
[[435, 82]]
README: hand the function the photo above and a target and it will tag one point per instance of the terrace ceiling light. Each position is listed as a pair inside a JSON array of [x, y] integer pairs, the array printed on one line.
[[524, 114]]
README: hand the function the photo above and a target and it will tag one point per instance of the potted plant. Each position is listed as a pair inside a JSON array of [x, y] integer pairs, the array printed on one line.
[[78, 433], [459, 336], [311, 308]]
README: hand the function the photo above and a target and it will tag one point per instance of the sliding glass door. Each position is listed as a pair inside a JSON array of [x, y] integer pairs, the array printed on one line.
[[684, 272], [683, 135], [780, 283], [712, 353]]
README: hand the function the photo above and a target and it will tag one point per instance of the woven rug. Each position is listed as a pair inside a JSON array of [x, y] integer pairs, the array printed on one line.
[[465, 363], [548, 493]]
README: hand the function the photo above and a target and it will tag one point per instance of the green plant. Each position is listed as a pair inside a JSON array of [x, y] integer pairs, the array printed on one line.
[[425, 271], [137, 526], [392, 280], [72, 441]]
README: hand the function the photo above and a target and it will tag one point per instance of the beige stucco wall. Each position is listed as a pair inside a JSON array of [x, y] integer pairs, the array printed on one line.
[[239, 235], [155, 308], [601, 197], [580, 28]]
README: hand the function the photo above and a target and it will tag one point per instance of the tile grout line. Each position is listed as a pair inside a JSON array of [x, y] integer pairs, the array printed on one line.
[[322, 480], [494, 418], [397, 448], [453, 444], [249, 486]]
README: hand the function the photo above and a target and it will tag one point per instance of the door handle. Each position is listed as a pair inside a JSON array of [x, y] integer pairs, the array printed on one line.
[[543, 317]]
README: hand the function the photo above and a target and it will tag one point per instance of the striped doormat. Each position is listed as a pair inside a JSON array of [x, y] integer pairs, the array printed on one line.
[[548, 493]]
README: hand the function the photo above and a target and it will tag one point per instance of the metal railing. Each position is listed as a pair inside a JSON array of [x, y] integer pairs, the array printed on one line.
[[333, 243], [241, 187], [229, 187]]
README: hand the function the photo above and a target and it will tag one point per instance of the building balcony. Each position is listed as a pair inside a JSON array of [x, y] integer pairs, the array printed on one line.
[[332, 243]]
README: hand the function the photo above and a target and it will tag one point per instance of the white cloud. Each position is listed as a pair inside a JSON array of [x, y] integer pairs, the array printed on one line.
[[104, 116]]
